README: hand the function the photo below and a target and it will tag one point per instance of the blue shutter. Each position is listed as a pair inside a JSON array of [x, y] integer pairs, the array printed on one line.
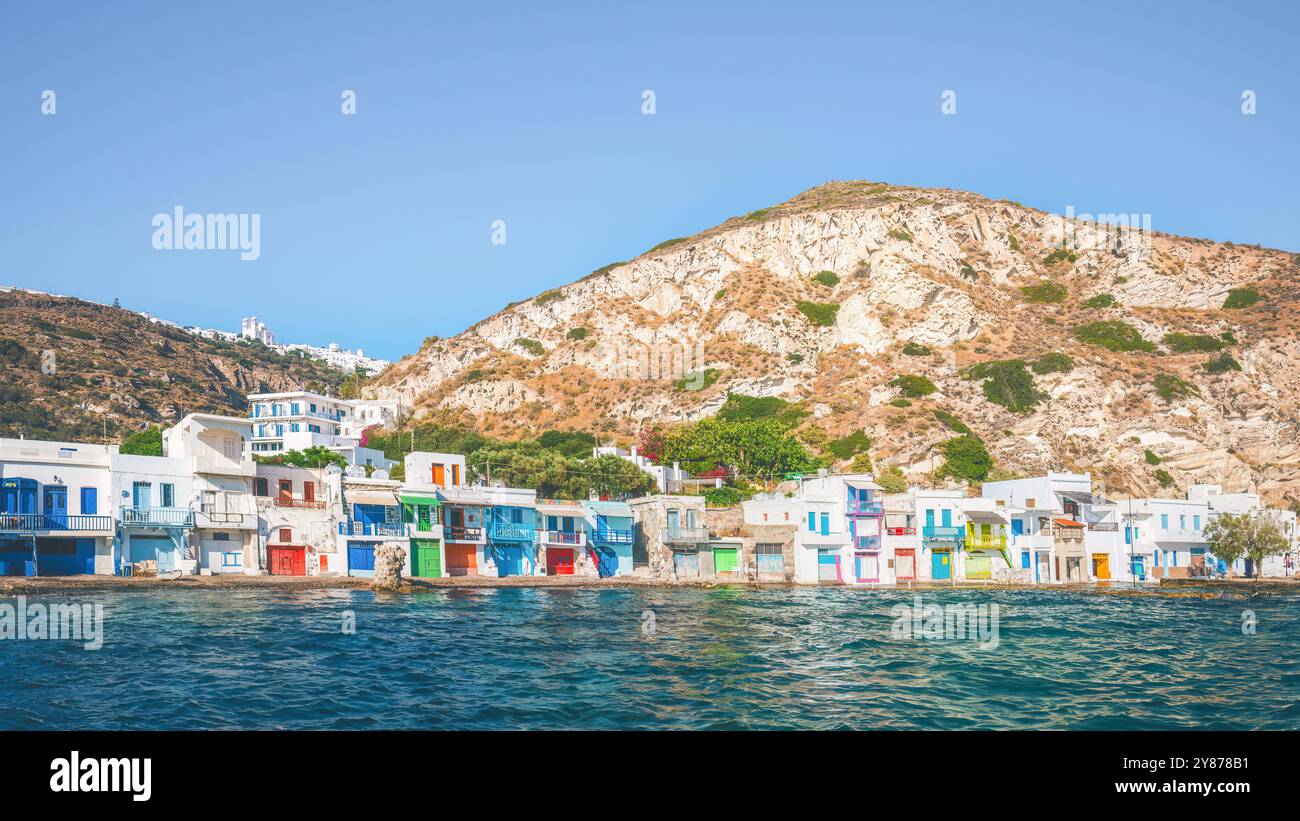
[[812, 522], [89, 501], [826, 524]]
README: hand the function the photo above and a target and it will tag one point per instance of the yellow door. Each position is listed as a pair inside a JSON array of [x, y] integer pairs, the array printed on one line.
[[1101, 565]]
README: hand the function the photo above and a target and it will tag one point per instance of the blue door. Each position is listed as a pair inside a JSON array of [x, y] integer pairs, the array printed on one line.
[[158, 549], [941, 564], [947, 517], [1139, 568], [56, 508], [16, 558], [142, 495], [510, 560], [65, 557], [1018, 528], [361, 558]]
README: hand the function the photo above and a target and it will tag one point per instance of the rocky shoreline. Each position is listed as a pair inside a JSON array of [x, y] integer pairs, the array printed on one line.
[[44, 584]]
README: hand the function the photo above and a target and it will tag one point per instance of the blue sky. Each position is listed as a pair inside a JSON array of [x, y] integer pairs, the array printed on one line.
[[376, 228]]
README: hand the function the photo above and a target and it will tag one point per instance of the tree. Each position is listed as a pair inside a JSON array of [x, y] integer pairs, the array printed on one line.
[[966, 458], [748, 448], [892, 479], [316, 456], [147, 442], [650, 444], [1245, 536], [607, 476]]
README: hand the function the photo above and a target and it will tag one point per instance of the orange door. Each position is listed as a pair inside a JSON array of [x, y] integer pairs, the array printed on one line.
[[461, 560], [439, 475]]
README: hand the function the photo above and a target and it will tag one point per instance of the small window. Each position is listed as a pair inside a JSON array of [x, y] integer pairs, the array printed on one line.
[[89, 501], [168, 495], [286, 534], [1029, 503], [220, 537], [231, 559], [260, 487]]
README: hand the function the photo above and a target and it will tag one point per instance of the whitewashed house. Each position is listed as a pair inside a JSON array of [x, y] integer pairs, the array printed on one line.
[[225, 516], [55, 508]]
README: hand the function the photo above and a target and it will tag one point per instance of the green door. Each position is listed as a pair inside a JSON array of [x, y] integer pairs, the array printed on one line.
[[979, 567], [724, 560], [427, 562]]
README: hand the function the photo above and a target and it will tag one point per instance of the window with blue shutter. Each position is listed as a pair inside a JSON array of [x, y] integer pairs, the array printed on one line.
[[812, 522], [89, 501]]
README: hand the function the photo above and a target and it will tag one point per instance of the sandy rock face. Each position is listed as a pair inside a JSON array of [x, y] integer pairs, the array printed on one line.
[[940, 269]]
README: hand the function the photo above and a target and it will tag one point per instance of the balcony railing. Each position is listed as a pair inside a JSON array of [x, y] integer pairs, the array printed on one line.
[[285, 501], [686, 535], [510, 532], [611, 536], [857, 507], [867, 543], [901, 531], [156, 517], [34, 522], [371, 529], [455, 533], [562, 537], [990, 541], [948, 533]]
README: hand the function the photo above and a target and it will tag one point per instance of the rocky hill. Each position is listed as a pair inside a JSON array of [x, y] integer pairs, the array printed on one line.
[[827, 299], [116, 371]]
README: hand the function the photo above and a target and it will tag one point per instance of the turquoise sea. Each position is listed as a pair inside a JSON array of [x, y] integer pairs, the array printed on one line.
[[617, 658]]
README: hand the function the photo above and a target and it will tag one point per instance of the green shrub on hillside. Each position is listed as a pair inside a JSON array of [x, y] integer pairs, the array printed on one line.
[[818, 313], [1222, 363], [846, 447], [548, 296], [741, 408], [951, 421], [1187, 343], [695, 381], [668, 243], [967, 458], [1163, 477], [1054, 362], [1113, 334], [913, 386], [1044, 292], [900, 233], [1241, 298], [577, 333], [1099, 301], [1152, 458], [1170, 387], [531, 345], [1007, 383], [1060, 255], [900, 402], [828, 278], [914, 349]]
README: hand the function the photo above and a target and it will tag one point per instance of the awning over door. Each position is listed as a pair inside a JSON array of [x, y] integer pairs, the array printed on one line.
[[985, 517], [371, 497]]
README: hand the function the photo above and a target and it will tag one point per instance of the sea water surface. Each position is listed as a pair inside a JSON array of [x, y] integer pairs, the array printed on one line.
[[593, 658]]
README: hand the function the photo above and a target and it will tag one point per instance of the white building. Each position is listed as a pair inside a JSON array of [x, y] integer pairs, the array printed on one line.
[[55, 508], [840, 521], [254, 328], [297, 420], [299, 510], [440, 469], [154, 500], [216, 448], [668, 478], [1061, 530]]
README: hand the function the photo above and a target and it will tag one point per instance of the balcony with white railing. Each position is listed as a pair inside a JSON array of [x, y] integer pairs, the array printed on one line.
[[31, 523], [685, 535], [156, 516], [499, 531], [461, 533], [943, 533], [381, 529], [565, 538], [858, 507]]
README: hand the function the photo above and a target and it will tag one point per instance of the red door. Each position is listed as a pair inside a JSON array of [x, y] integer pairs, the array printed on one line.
[[287, 561], [461, 560], [559, 561]]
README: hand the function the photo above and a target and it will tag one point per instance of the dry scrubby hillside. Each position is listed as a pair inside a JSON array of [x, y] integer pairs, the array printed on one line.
[[118, 371], [942, 270]]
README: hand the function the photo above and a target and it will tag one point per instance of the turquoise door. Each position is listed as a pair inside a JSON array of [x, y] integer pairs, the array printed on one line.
[[941, 564], [510, 561], [1139, 568], [947, 517]]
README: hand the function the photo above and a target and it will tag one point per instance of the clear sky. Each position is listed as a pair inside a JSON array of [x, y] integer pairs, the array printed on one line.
[[376, 228]]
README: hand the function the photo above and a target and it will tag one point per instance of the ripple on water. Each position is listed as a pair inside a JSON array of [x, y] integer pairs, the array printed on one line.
[[727, 658]]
